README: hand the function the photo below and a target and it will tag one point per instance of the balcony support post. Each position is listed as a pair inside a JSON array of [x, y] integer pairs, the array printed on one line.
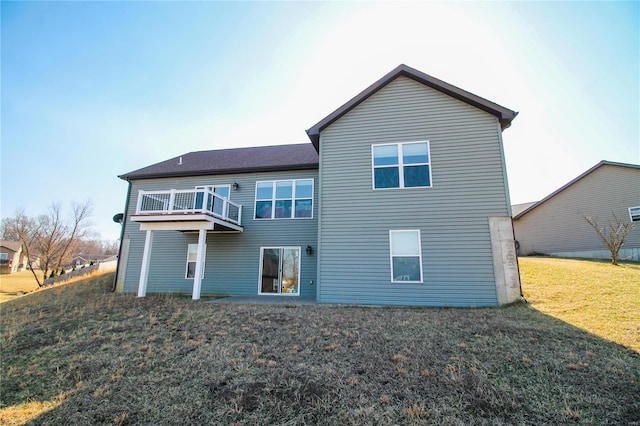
[[200, 256], [146, 257]]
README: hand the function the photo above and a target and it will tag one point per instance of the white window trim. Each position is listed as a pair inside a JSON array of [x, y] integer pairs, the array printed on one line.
[[400, 166], [283, 248], [637, 214], [186, 266], [391, 256], [293, 199]]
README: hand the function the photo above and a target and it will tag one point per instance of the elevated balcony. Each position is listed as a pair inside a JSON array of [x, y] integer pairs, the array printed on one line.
[[187, 210]]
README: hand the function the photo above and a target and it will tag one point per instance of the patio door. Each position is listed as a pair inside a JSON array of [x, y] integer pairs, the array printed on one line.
[[280, 270]]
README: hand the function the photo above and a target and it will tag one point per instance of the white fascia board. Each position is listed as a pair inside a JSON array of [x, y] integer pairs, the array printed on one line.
[[177, 226]]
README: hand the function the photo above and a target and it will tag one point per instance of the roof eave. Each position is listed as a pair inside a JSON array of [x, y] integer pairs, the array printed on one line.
[[314, 135], [132, 176]]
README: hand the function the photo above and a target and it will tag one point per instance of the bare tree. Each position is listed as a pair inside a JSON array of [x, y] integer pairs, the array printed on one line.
[[48, 240], [613, 235], [21, 228], [92, 249], [110, 247]]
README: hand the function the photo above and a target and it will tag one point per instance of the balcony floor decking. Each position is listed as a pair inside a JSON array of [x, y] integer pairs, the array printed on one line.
[[185, 222]]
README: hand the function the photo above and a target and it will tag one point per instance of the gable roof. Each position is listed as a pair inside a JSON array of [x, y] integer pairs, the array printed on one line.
[[11, 245], [228, 161], [582, 176], [505, 115]]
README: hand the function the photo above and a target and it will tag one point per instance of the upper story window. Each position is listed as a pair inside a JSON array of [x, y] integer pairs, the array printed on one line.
[[284, 199], [401, 165], [634, 214]]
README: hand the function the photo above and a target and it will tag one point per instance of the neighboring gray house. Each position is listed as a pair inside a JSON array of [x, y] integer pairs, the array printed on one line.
[[401, 198], [556, 226]]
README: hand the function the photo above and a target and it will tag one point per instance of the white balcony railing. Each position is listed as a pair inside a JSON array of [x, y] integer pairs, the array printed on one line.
[[199, 200]]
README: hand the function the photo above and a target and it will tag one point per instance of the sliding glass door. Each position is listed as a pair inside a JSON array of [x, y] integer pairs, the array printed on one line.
[[280, 270]]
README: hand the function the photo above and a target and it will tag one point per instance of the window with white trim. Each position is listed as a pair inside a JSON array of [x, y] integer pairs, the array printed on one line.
[[401, 165], [406, 256], [634, 214], [192, 256], [284, 199]]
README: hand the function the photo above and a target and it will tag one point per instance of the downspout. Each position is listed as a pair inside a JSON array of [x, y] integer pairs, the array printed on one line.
[[515, 242], [124, 222]]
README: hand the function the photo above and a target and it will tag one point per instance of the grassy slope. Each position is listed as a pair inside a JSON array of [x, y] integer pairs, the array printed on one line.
[[77, 354], [595, 296]]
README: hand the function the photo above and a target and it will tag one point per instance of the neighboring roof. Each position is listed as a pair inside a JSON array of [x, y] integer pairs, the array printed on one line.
[[237, 160], [505, 115], [517, 208], [11, 245], [583, 175]]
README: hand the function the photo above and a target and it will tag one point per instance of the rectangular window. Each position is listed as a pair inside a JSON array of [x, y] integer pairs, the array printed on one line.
[[406, 256], [192, 255], [401, 165], [634, 214], [284, 199]]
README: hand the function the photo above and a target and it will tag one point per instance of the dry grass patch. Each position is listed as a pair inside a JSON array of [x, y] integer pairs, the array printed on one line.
[[18, 283], [118, 359], [596, 296], [22, 283]]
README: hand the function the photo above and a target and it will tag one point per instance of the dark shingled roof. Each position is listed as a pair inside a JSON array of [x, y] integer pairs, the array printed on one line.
[[505, 115], [237, 160]]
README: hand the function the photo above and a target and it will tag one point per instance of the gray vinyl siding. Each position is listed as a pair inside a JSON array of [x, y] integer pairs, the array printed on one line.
[[557, 225], [469, 185], [232, 259]]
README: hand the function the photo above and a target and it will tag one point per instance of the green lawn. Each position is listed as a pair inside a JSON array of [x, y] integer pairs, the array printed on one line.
[[78, 354], [595, 296]]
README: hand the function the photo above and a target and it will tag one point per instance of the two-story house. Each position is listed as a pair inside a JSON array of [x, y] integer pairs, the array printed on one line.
[[401, 198], [12, 258]]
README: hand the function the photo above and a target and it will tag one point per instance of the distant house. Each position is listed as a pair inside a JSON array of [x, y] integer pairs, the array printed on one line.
[[556, 226], [400, 199], [12, 259]]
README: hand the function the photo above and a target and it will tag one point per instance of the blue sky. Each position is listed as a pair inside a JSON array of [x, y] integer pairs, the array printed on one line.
[[92, 90]]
